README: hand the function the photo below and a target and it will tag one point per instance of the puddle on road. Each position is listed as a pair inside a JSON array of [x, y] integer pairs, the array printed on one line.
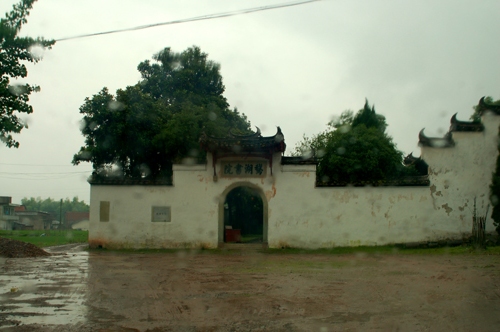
[[44, 290]]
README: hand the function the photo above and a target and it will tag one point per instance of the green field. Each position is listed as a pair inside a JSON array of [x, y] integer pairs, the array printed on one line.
[[47, 238]]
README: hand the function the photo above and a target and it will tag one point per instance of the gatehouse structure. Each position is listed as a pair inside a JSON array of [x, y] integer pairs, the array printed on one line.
[[193, 210]]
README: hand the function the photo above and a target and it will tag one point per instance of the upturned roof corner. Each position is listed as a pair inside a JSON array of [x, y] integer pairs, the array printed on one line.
[[483, 107], [435, 142]]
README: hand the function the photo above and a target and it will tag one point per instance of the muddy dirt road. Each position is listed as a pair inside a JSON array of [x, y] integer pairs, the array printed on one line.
[[75, 290]]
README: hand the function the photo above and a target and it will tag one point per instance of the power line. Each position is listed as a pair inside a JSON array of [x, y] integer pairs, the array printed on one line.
[[43, 173], [192, 19], [8, 164], [36, 176]]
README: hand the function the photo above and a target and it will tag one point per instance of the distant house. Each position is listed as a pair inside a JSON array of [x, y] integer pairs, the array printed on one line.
[[33, 219], [77, 220], [8, 219]]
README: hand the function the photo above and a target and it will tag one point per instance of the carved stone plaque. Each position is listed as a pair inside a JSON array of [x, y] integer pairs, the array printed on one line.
[[243, 168], [160, 214]]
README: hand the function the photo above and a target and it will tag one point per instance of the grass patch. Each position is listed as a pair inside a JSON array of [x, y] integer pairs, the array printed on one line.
[[47, 238], [366, 250], [378, 250]]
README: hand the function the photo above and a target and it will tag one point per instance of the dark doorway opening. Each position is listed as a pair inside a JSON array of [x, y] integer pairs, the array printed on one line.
[[243, 216]]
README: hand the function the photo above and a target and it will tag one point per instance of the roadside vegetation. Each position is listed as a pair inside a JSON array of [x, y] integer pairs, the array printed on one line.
[[46, 238], [361, 250], [385, 250]]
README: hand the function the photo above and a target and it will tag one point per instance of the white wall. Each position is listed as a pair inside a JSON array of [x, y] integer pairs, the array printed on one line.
[[195, 200], [301, 215]]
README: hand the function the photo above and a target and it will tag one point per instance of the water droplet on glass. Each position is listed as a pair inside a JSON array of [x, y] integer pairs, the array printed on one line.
[[176, 65], [494, 199], [145, 171], [82, 124], [115, 105], [341, 150], [320, 153], [189, 161], [137, 195], [441, 143], [193, 153], [85, 155], [344, 129], [307, 154], [37, 51], [29, 287], [212, 116], [18, 89], [236, 148]]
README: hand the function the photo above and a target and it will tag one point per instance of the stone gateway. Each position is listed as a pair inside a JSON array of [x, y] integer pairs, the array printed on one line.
[[192, 210]]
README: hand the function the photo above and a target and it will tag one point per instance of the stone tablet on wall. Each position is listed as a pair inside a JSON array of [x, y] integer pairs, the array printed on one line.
[[243, 168], [160, 214]]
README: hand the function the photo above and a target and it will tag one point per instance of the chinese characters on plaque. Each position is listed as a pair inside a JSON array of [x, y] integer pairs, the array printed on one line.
[[243, 168]]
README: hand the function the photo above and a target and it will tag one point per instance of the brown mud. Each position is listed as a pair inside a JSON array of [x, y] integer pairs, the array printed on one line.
[[18, 249], [76, 290]]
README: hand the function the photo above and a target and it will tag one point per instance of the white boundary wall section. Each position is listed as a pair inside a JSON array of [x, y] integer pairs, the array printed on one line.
[[297, 214]]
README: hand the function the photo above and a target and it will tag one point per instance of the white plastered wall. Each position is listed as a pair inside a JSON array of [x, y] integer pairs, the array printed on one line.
[[195, 200], [300, 215]]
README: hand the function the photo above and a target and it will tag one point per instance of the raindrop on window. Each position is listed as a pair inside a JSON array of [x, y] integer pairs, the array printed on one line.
[[18, 89], [307, 154], [115, 105], [36, 51]]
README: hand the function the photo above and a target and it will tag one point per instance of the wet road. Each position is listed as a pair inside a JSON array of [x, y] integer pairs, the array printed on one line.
[[75, 290], [44, 290]]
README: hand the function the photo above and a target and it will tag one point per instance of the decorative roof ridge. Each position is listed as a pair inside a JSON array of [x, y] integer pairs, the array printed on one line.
[[407, 181], [231, 135], [482, 107], [242, 144], [468, 126], [418, 163], [435, 142], [252, 135], [124, 181], [410, 159], [293, 160]]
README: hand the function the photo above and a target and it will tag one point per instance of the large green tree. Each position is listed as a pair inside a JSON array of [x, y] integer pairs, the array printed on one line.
[[355, 149], [15, 50], [143, 129], [495, 180]]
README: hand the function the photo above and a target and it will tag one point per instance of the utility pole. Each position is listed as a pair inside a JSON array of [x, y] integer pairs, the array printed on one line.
[[60, 215]]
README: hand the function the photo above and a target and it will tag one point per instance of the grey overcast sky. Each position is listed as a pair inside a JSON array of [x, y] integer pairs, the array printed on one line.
[[419, 62]]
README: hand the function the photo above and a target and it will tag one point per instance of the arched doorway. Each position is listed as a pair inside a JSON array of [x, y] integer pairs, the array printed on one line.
[[243, 209]]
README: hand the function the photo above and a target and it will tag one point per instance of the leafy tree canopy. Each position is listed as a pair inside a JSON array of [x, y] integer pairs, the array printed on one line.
[[355, 149], [13, 51], [143, 129], [495, 181]]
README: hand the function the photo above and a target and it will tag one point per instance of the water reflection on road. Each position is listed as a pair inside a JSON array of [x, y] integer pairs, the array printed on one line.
[[44, 290]]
